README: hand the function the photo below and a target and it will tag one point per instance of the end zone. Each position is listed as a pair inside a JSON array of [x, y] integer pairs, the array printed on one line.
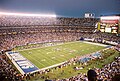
[[21, 63]]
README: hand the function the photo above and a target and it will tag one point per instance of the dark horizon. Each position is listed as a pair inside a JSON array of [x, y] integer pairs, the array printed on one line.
[[62, 8]]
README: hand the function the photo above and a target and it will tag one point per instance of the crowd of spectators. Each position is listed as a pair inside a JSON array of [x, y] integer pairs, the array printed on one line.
[[109, 72], [23, 30], [7, 72], [117, 47], [99, 37], [8, 20], [10, 41]]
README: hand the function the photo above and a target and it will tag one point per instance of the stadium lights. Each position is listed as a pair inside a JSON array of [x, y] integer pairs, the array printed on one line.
[[22, 14]]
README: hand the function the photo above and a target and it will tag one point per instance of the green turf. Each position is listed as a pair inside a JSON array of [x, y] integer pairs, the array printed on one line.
[[107, 55], [47, 56]]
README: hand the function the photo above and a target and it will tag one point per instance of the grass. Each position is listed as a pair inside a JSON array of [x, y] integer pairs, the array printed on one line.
[[108, 57], [47, 56], [65, 52]]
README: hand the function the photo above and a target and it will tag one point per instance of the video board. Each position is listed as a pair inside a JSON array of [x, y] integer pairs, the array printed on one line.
[[109, 28], [109, 24]]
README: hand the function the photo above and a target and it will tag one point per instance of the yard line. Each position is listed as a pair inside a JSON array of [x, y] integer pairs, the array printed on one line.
[[50, 46], [35, 60], [41, 56]]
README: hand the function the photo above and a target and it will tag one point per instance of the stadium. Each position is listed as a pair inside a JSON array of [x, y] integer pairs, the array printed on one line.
[[38, 48]]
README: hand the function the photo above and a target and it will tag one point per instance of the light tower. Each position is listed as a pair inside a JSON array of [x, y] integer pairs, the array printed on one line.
[[89, 15]]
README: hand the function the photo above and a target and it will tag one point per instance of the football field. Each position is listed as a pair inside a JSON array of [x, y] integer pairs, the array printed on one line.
[[52, 55]]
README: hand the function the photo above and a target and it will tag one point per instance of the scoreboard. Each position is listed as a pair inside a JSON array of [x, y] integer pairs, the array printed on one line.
[[110, 28], [110, 24]]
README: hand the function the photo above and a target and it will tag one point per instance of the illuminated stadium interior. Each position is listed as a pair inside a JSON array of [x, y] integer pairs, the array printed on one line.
[[36, 47]]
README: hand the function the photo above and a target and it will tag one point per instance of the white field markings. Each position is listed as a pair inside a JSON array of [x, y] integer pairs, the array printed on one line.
[[41, 62], [63, 43], [96, 44], [51, 59], [31, 56], [57, 59], [72, 51], [69, 55], [83, 50], [62, 55], [48, 53], [34, 59], [50, 46], [63, 62], [52, 54], [53, 66], [44, 58]]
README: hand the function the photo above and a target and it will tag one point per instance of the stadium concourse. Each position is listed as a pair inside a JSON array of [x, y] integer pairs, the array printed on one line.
[[23, 30]]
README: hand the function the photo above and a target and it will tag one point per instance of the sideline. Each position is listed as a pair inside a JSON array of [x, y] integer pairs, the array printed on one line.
[[64, 61], [96, 44], [55, 65], [48, 46]]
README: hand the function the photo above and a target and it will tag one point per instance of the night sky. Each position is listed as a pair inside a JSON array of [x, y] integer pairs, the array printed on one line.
[[64, 8]]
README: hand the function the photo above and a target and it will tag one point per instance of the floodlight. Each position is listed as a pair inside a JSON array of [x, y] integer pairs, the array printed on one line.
[[23, 14]]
